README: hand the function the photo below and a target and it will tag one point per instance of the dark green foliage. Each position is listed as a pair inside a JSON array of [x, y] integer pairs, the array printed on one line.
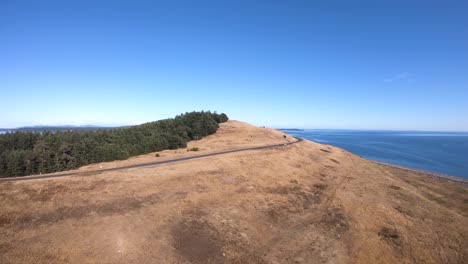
[[193, 149], [26, 153]]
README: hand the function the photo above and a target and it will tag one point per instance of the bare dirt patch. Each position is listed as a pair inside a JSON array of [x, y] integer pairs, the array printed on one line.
[[298, 197], [196, 241], [320, 186], [119, 206], [335, 219], [392, 237], [47, 193]]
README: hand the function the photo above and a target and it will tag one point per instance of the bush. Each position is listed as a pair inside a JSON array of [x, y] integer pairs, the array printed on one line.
[[193, 149], [157, 155]]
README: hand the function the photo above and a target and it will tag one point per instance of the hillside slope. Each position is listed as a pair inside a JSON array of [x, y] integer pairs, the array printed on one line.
[[302, 203]]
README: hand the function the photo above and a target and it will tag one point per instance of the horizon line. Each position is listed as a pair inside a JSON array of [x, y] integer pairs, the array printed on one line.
[[274, 127]]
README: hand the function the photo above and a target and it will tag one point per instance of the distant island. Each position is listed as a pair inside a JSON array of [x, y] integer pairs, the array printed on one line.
[[290, 129], [55, 128]]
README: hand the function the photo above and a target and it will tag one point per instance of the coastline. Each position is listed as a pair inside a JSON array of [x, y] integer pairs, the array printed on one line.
[[434, 175], [439, 176]]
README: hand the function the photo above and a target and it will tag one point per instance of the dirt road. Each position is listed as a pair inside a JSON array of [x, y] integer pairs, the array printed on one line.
[[141, 165]]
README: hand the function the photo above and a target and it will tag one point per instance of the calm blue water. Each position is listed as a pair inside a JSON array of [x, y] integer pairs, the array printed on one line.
[[442, 152]]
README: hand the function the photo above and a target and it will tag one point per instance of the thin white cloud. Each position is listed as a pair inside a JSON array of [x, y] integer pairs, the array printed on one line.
[[402, 76]]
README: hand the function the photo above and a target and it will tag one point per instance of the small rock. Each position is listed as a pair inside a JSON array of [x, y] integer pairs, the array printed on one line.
[[250, 188], [298, 260]]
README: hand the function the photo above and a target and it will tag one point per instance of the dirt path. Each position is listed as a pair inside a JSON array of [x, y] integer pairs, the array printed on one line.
[[148, 164]]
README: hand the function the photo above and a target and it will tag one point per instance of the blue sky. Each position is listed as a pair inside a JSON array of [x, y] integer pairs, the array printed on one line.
[[308, 64]]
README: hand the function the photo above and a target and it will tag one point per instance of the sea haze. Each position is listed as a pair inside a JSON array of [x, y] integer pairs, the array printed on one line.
[[440, 152]]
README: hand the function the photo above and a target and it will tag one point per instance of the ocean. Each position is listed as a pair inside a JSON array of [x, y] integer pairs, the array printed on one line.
[[440, 152]]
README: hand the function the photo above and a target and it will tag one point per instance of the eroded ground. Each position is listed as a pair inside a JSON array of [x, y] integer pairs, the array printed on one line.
[[303, 203]]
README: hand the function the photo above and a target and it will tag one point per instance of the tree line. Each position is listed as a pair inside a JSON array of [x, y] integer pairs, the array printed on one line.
[[26, 153]]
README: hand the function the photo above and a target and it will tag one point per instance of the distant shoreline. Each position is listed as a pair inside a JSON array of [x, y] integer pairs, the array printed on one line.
[[290, 129], [432, 174], [54, 128], [436, 175]]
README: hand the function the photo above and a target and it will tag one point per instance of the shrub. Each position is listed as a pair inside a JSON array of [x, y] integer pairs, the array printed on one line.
[[193, 149]]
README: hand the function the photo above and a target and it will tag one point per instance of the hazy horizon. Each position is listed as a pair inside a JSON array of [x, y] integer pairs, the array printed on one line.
[[382, 66], [110, 125]]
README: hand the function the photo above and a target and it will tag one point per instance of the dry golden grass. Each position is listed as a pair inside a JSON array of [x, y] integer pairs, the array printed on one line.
[[303, 203]]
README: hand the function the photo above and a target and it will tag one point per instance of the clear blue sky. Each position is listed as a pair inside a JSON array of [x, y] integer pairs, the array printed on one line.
[[335, 64]]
